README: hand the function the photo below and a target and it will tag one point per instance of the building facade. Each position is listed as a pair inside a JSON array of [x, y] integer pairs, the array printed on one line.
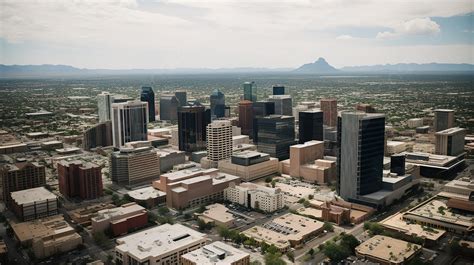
[[169, 105], [217, 99], [246, 117], [78, 179], [250, 91], [443, 119], [329, 108], [120, 220], [99, 135], [310, 126], [361, 151], [450, 141], [219, 141], [250, 165], [104, 106], [34, 203], [255, 196], [134, 165], [129, 122], [276, 133], [147, 95], [283, 104], [21, 176], [192, 124], [278, 90]]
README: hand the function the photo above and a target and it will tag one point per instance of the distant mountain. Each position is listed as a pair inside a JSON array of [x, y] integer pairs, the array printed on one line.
[[319, 66], [411, 67], [48, 70]]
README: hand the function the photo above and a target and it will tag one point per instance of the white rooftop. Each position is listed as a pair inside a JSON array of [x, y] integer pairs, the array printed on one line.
[[209, 254], [158, 240], [32, 195], [146, 193]]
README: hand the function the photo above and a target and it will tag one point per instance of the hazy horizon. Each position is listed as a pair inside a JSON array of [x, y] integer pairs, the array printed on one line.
[[138, 34]]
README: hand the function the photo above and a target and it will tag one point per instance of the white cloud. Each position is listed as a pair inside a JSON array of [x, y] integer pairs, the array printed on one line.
[[416, 26], [211, 33], [344, 37]]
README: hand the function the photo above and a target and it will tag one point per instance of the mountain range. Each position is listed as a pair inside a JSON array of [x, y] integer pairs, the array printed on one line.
[[320, 66]]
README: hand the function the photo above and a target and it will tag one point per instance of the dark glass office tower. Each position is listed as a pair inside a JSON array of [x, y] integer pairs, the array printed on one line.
[[397, 164], [276, 134], [278, 90], [310, 126], [250, 91], [169, 105], [192, 123], [261, 109], [360, 155], [148, 95], [182, 97], [217, 104]]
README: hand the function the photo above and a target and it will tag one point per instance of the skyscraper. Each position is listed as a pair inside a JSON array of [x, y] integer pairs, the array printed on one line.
[[276, 133], [261, 109], [192, 123], [169, 105], [246, 117], [219, 141], [99, 135], [78, 179], [443, 119], [278, 90], [129, 122], [134, 164], [283, 104], [397, 164], [310, 126], [217, 104], [250, 91], [360, 156], [329, 108], [182, 97], [147, 95], [450, 141], [104, 106]]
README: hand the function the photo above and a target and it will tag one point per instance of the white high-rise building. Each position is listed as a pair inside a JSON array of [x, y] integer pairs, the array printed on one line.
[[283, 104], [104, 105], [129, 122], [219, 141]]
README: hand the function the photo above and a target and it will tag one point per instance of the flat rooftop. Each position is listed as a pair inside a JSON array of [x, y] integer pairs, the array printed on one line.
[[40, 228], [218, 212], [387, 249], [451, 131], [158, 240], [249, 154], [396, 222], [118, 211], [425, 159], [146, 193], [187, 173], [208, 255], [32, 195], [284, 228]]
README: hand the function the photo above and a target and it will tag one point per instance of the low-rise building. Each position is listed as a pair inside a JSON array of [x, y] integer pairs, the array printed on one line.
[[169, 157], [48, 236], [249, 165], [216, 253], [193, 187], [218, 215], [255, 196], [306, 161], [164, 244], [414, 123], [121, 219], [34, 203], [84, 215], [395, 147], [289, 230], [434, 166], [148, 196], [342, 212], [386, 250]]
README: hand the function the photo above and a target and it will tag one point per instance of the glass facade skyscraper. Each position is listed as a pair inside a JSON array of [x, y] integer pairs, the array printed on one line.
[[310, 126], [261, 109], [169, 105], [360, 156], [276, 133], [192, 123], [250, 91], [278, 90], [129, 122], [147, 95], [217, 99]]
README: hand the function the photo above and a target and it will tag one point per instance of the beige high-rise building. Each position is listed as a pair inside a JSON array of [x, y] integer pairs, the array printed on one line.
[[450, 141], [329, 108], [255, 196], [135, 163], [219, 141]]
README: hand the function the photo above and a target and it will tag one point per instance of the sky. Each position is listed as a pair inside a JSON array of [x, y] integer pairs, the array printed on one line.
[[145, 34]]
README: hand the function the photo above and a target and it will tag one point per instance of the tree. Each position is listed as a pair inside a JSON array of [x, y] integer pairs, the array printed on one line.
[[350, 242], [202, 225], [311, 196], [201, 209], [224, 232], [374, 228], [268, 179], [272, 249], [311, 252], [264, 247], [163, 210], [274, 259], [335, 252], [273, 183], [100, 238], [328, 226], [291, 256]]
